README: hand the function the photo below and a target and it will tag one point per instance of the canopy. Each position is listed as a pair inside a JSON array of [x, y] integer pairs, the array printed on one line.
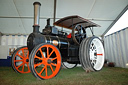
[[71, 21]]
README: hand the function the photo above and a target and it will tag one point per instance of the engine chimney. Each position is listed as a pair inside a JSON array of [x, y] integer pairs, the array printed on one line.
[[36, 16]]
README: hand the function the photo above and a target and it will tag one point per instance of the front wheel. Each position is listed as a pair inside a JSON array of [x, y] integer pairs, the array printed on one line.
[[20, 60], [45, 61]]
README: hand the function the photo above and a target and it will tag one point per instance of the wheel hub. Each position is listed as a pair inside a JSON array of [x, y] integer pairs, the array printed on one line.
[[93, 51], [49, 61], [95, 54], [27, 60]]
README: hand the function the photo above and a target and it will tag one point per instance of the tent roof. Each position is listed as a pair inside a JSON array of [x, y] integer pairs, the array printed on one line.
[[16, 16]]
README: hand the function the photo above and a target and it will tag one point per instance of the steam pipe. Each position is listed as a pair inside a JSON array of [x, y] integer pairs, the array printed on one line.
[[36, 16]]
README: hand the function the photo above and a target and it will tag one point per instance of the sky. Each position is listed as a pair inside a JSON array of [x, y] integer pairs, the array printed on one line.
[[120, 24]]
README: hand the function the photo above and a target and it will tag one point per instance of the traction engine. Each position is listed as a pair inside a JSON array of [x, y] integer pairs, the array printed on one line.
[[48, 50]]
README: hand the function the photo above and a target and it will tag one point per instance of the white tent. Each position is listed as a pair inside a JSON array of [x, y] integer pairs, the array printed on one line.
[[16, 16]]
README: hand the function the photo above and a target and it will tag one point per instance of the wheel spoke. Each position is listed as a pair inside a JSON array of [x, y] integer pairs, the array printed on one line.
[[23, 68], [80, 30], [28, 55], [80, 38], [47, 51], [42, 69], [19, 55], [28, 67], [20, 65], [54, 58], [42, 53], [35, 65], [77, 29], [18, 60], [39, 58], [53, 64], [46, 71], [23, 53], [50, 53], [51, 68]]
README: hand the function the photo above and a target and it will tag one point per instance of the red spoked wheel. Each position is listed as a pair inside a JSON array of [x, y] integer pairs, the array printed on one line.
[[45, 61], [20, 60]]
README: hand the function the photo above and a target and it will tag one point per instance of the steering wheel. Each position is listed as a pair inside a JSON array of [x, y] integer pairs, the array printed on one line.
[[79, 35]]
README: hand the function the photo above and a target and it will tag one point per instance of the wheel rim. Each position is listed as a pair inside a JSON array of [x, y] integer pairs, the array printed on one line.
[[21, 60], [68, 65], [47, 66], [96, 53]]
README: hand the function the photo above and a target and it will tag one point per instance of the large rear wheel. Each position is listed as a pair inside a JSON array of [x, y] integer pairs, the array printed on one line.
[[92, 54], [45, 61], [82, 58], [20, 60]]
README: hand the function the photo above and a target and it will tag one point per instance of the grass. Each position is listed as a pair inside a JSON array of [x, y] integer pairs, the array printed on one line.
[[76, 76]]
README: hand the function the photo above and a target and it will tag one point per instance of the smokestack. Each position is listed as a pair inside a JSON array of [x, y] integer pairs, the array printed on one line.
[[36, 16]]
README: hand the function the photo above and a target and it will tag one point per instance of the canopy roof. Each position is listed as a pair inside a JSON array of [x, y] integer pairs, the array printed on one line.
[[70, 21], [16, 16]]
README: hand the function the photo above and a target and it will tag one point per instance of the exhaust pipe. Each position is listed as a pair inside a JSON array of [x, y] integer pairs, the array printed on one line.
[[36, 17]]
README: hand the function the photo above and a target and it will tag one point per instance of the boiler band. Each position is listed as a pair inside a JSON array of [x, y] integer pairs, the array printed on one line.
[[57, 41]]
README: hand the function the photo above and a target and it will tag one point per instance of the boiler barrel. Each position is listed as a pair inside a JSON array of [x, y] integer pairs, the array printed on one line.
[[35, 39], [57, 41]]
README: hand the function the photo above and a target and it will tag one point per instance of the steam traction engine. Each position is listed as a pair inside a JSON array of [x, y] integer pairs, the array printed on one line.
[[46, 51]]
